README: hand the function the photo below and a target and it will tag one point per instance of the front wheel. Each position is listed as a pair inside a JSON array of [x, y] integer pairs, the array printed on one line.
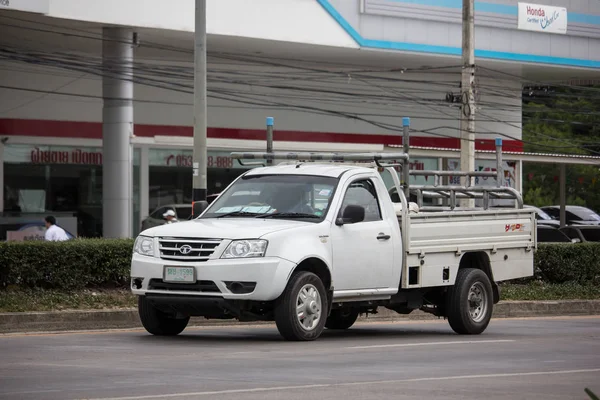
[[300, 312], [158, 323], [470, 302]]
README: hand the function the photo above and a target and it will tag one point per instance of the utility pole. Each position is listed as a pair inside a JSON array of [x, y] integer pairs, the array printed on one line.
[[406, 148], [270, 121], [467, 116], [199, 156]]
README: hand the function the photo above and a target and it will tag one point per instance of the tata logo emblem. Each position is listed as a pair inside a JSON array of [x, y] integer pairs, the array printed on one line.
[[185, 249]]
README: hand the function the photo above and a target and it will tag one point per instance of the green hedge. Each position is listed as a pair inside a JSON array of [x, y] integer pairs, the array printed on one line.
[[566, 262], [80, 263], [72, 264]]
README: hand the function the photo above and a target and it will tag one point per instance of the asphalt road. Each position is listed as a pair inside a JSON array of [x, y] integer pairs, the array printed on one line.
[[549, 358]]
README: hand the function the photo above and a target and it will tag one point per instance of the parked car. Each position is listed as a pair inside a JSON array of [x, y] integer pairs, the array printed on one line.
[[550, 234], [574, 215], [183, 212], [543, 218], [582, 233]]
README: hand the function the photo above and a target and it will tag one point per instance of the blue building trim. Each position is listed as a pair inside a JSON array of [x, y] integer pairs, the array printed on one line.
[[448, 50]]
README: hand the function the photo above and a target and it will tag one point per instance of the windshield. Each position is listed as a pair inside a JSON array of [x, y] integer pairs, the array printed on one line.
[[275, 196], [585, 214], [542, 214]]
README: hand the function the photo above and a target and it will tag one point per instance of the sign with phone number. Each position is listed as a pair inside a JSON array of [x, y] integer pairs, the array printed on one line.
[[181, 160], [170, 158]]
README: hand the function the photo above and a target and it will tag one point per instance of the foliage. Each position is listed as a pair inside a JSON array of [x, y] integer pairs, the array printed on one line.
[[535, 197], [539, 290], [27, 299], [105, 263], [24, 300], [94, 273], [67, 265], [562, 120], [567, 262]]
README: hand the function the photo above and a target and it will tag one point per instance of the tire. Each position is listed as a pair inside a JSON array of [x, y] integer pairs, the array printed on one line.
[[466, 318], [158, 323], [308, 289], [342, 318]]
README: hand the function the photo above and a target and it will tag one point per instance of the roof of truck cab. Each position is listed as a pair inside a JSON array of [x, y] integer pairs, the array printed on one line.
[[312, 168]]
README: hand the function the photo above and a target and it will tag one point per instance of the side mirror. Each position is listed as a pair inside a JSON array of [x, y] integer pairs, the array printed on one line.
[[198, 207], [351, 215]]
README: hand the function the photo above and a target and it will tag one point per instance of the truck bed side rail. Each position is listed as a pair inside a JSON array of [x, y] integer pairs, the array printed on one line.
[[454, 192], [307, 156]]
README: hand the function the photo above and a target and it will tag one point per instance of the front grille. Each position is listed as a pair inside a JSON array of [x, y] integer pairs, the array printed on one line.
[[186, 249], [198, 286]]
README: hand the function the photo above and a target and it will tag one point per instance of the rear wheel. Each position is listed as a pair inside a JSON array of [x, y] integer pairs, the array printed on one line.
[[300, 312], [470, 302], [342, 318], [158, 323]]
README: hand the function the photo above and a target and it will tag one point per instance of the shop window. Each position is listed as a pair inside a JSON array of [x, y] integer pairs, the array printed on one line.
[[63, 181], [170, 179]]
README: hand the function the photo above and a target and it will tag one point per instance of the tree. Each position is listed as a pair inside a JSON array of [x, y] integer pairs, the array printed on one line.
[[563, 120]]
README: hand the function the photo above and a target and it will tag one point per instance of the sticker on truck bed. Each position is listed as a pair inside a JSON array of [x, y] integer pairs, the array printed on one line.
[[514, 227]]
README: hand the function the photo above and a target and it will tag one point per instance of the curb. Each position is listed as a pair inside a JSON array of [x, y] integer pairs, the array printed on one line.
[[79, 320]]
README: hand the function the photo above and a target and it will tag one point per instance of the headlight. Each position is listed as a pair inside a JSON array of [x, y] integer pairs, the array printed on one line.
[[144, 245], [245, 249]]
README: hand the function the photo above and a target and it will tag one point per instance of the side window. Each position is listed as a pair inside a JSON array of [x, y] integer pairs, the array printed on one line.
[[363, 193]]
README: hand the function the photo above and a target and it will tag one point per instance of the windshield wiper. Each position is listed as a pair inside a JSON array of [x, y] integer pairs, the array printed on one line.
[[238, 214], [288, 215]]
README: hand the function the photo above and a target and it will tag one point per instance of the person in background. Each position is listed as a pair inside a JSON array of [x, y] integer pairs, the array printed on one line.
[[170, 216], [54, 233]]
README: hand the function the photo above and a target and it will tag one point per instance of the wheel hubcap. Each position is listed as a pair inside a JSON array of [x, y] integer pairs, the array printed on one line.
[[308, 307], [477, 301]]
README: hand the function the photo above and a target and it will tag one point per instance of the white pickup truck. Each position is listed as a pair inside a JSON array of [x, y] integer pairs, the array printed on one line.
[[312, 245]]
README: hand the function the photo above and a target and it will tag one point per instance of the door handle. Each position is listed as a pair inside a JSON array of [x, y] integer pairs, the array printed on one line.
[[383, 236]]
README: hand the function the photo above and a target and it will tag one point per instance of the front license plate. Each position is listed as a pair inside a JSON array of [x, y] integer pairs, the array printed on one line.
[[179, 274]]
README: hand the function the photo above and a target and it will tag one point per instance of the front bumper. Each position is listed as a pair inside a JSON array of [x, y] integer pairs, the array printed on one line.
[[261, 279]]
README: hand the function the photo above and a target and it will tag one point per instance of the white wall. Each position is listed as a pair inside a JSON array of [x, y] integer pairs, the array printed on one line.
[[301, 21], [405, 99]]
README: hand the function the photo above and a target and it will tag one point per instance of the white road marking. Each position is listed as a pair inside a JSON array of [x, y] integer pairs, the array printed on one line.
[[31, 392], [375, 346], [329, 385]]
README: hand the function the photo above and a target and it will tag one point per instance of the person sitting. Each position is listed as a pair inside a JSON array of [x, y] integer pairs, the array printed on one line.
[[170, 217]]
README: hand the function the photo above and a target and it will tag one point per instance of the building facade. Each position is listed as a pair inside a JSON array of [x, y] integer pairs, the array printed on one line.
[[96, 108]]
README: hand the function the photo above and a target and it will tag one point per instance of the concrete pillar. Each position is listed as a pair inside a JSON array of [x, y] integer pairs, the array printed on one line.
[[144, 183], [117, 129]]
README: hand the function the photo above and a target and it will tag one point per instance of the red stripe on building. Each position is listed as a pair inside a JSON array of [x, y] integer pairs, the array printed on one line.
[[93, 130]]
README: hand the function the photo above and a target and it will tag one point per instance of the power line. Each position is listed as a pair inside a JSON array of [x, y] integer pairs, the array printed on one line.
[[154, 76]]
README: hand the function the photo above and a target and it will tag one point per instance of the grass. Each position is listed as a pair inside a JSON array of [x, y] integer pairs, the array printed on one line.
[[546, 291], [19, 300]]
